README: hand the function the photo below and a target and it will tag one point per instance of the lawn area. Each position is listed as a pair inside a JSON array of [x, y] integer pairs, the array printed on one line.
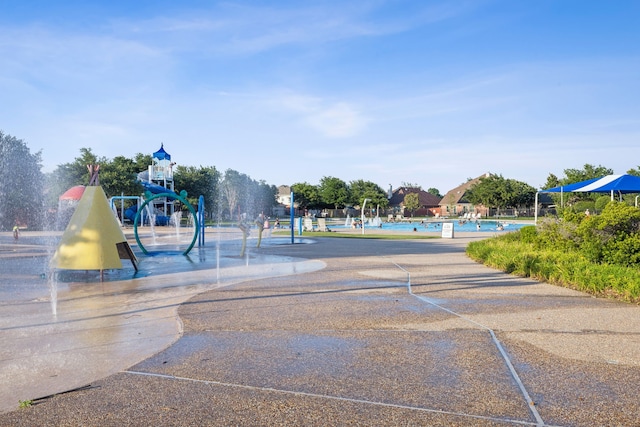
[[358, 235]]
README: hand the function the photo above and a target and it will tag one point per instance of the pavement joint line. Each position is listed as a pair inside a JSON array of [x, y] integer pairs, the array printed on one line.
[[503, 353], [329, 397]]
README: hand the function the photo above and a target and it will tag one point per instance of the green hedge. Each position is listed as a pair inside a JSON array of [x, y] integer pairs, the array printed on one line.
[[596, 254]]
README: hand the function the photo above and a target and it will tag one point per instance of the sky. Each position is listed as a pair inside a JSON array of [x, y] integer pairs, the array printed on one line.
[[390, 91]]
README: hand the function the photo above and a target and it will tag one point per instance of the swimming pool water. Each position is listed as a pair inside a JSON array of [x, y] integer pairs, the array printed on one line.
[[436, 226]]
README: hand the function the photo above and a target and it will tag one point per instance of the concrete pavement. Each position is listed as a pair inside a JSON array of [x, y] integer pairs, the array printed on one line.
[[333, 332]]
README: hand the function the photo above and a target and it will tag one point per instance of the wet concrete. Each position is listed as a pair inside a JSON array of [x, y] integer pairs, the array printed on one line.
[[363, 333], [89, 328]]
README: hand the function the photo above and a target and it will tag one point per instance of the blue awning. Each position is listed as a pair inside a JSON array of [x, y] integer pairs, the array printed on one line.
[[569, 187], [616, 183]]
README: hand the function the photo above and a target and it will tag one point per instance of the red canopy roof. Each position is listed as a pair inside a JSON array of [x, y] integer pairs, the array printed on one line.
[[74, 193]]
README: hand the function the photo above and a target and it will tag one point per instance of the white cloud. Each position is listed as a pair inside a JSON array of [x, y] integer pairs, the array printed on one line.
[[337, 121], [234, 28], [330, 119]]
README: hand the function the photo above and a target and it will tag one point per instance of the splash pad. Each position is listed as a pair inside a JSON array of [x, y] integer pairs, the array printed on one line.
[[74, 314], [102, 325]]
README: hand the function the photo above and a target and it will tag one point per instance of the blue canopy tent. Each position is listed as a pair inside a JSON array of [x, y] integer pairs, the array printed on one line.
[[613, 184]]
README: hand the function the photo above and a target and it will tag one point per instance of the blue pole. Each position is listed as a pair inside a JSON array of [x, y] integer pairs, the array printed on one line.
[[201, 220], [292, 214]]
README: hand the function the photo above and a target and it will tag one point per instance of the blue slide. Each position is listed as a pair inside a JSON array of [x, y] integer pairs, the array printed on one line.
[[153, 189]]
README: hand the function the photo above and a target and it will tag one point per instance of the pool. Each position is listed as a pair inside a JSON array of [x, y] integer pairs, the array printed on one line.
[[436, 226]]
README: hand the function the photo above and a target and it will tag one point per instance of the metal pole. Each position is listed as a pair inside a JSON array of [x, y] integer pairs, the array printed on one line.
[[362, 214], [292, 215], [201, 220]]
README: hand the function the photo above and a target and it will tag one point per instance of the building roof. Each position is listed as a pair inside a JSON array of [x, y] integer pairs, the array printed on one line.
[[456, 195], [284, 190], [425, 198]]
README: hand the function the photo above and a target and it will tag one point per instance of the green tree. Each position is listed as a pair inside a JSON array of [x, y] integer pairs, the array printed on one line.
[[22, 181], [201, 181], [70, 174], [634, 172], [361, 189], [411, 202], [434, 191], [306, 196], [487, 191], [120, 177], [143, 161], [334, 191], [552, 181], [522, 194], [494, 191], [587, 172]]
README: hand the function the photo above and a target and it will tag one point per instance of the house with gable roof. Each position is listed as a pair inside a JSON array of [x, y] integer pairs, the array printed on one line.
[[454, 202], [283, 202], [429, 203]]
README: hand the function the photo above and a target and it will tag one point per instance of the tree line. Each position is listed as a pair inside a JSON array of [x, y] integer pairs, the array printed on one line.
[[28, 195], [334, 193]]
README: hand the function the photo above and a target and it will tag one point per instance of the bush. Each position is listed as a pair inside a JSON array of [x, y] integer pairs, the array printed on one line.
[[601, 202], [528, 234], [599, 254], [583, 205], [612, 237]]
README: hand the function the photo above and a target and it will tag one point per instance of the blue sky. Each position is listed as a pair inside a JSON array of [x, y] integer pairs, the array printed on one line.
[[423, 92]]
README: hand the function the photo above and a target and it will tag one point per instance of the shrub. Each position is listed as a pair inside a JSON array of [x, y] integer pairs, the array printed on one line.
[[612, 237], [528, 234], [624, 252], [583, 205], [599, 254], [601, 202]]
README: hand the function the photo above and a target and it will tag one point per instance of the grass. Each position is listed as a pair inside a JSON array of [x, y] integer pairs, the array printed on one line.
[[25, 403], [357, 235]]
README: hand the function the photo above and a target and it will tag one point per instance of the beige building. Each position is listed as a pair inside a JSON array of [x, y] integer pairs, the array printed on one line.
[[454, 202]]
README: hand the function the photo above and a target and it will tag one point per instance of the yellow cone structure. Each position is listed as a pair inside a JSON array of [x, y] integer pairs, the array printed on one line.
[[93, 239]]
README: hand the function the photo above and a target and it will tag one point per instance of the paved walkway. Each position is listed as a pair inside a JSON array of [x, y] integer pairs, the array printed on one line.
[[334, 332]]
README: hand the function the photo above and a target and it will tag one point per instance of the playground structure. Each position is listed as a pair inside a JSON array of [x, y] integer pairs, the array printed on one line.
[[156, 180], [159, 180], [94, 239]]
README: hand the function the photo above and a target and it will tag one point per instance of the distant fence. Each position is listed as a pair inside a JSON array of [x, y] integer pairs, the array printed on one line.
[[343, 213]]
